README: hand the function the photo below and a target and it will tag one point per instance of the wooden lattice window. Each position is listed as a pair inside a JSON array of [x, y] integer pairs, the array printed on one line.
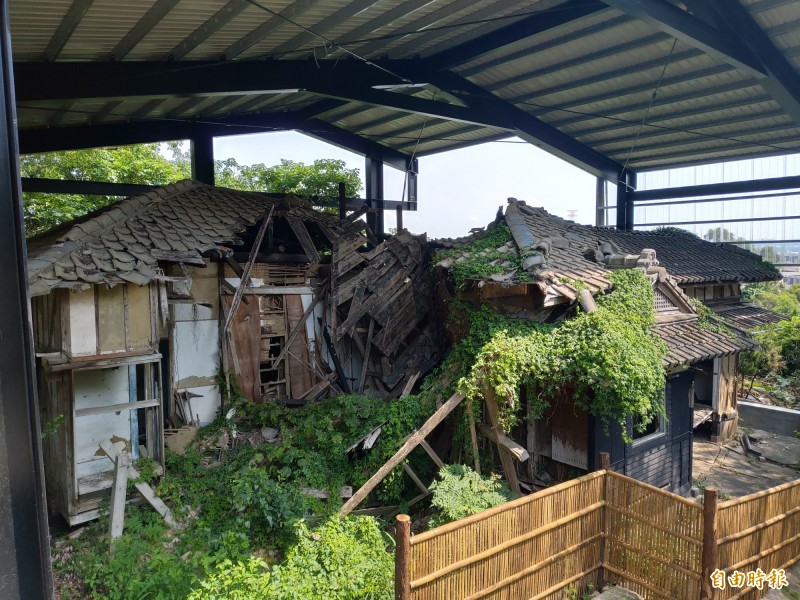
[[663, 304]]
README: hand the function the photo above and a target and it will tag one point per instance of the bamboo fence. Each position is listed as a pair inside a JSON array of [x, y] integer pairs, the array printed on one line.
[[759, 531], [532, 547], [653, 540], [603, 528]]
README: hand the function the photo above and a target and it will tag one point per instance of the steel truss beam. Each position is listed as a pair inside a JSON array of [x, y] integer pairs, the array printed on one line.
[[74, 138], [716, 189]]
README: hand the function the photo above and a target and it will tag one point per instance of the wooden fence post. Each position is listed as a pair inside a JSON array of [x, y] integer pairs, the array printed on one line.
[[605, 461], [710, 550], [605, 465], [402, 558]]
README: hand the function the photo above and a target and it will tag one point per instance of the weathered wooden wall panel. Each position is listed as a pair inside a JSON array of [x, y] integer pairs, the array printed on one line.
[[82, 323], [110, 319], [570, 435], [298, 358], [243, 348], [140, 330], [93, 389]]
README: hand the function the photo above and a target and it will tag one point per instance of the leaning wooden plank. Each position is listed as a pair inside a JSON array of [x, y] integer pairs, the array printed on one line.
[[301, 324], [406, 449], [245, 280], [299, 229], [118, 493], [156, 502], [410, 385], [506, 458], [364, 367], [434, 457], [417, 481], [114, 452], [498, 438]]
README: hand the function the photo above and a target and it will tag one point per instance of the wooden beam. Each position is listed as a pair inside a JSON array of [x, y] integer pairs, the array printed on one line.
[[237, 297], [506, 457], [399, 456], [498, 438], [299, 229]]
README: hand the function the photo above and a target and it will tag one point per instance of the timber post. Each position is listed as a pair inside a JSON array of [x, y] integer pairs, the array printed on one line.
[[605, 461], [710, 550], [342, 201], [605, 465], [402, 558]]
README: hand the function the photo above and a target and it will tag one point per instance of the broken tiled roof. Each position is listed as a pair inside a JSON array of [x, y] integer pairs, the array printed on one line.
[[688, 258], [746, 316], [124, 242], [689, 342]]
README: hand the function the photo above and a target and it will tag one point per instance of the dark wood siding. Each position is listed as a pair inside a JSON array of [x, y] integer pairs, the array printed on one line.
[[664, 461]]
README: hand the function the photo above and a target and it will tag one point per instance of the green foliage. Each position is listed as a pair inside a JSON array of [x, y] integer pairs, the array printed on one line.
[[314, 439], [142, 163], [462, 492], [265, 507], [774, 296], [608, 361], [778, 351], [245, 580], [342, 559], [150, 164], [51, 427], [474, 261], [321, 178]]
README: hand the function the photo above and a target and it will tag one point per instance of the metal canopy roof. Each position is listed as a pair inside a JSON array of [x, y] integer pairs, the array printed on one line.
[[640, 84]]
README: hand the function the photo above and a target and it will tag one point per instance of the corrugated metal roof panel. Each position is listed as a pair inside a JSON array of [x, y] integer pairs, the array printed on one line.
[[34, 22]]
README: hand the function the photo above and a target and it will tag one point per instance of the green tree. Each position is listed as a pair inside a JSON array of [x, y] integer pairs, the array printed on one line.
[[157, 164], [142, 163], [321, 178]]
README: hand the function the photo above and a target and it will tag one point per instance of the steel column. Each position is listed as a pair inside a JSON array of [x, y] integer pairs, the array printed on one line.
[[601, 200], [374, 177], [203, 158], [626, 184], [24, 551]]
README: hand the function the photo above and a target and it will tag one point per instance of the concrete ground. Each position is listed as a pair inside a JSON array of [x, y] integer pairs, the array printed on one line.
[[726, 467]]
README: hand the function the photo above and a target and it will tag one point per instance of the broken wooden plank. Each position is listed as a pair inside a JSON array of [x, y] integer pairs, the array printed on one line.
[[498, 438], [343, 383], [300, 231], [366, 441], [114, 452], [399, 456], [410, 385], [245, 280], [119, 491], [344, 492], [368, 349], [506, 458]]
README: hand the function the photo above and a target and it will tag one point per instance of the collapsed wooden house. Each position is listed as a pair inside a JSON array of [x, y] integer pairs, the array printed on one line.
[[559, 258], [141, 309]]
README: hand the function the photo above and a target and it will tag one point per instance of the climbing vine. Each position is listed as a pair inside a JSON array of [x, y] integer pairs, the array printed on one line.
[[608, 360], [481, 258]]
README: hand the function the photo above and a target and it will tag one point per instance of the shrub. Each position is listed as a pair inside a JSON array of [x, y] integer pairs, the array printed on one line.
[[461, 492], [341, 559]]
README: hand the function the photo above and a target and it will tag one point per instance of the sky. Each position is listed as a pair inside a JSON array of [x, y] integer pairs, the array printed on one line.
[[457, 190]]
